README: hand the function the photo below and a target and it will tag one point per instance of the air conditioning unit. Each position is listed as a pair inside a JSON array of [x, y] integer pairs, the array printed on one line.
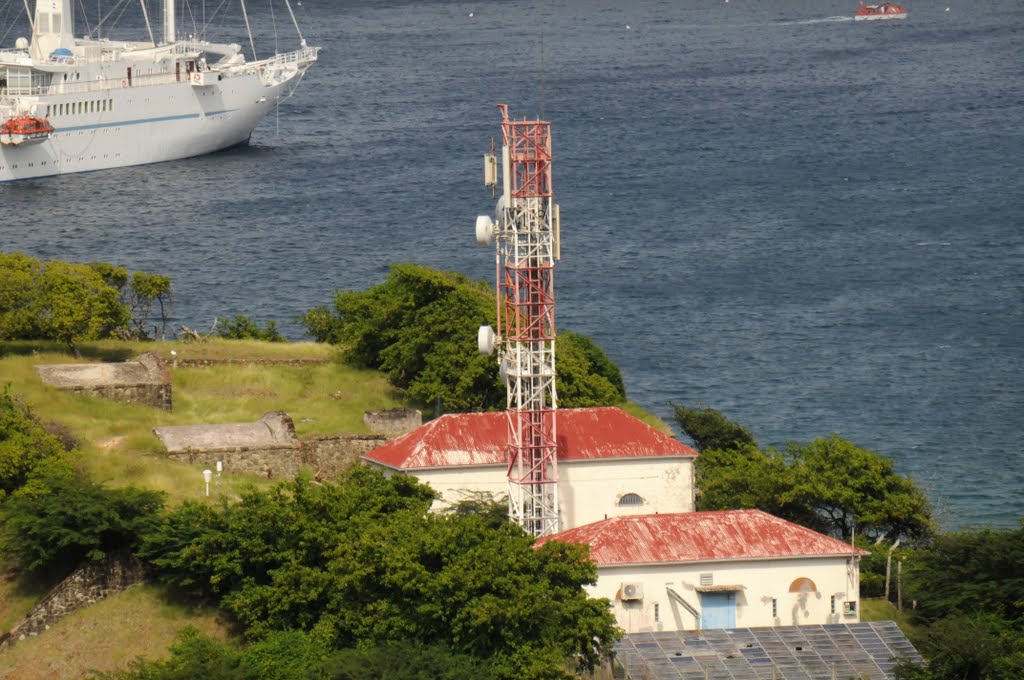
[[632, 591]]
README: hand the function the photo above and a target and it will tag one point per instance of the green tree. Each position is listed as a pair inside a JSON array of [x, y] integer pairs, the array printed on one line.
[[25, 445], [142, 292], [18, 276], [584, 376], [856, 489], [59, 519], [294, 655], [246, 328], [975, 570], [746, 477], [709, 429], [361, 562], [75, 303], [420, 328], [829, 484]]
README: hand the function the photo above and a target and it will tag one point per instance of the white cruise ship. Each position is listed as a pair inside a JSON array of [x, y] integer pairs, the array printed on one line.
[[77, 105]]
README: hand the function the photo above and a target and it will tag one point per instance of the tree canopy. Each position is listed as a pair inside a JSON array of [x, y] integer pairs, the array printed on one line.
[[968, 593], [829, 484], [59, 519], [70, 302], [420, 328], [362, 562], [26, 447]]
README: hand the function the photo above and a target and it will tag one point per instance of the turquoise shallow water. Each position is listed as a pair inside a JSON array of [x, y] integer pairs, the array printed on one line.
[[810, 224]]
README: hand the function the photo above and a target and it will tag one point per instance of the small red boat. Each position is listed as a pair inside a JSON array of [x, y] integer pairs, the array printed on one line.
[[24, 130], [883, 10]]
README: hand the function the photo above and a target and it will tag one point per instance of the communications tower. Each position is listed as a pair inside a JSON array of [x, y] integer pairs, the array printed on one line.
[[526, 233]]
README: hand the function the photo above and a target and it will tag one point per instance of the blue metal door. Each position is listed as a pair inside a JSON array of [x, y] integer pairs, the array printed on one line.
[[718, 610]]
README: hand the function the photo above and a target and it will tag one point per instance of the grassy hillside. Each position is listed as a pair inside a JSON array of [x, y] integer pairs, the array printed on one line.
[[116, 440], [141, 621], [117, 447]]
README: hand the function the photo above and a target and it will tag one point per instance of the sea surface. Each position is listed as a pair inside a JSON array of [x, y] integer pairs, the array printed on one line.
[[808, 223]]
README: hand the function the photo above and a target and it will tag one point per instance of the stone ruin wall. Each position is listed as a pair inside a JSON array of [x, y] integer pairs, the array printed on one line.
[[327, 456], [149, 385], [393, 422], [89, 583], [158, 396]]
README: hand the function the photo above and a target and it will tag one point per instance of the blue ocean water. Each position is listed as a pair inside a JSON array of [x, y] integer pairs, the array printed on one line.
[[810, 224]]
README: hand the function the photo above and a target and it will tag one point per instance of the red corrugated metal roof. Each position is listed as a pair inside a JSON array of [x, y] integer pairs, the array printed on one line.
[[479, 439], [700, 537]]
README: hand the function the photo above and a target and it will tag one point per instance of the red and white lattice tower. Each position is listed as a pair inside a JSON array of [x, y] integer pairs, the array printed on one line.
[[526, 233]]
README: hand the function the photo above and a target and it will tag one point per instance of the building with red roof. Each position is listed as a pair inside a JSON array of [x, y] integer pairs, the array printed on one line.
[[609, 462], [746, 568]]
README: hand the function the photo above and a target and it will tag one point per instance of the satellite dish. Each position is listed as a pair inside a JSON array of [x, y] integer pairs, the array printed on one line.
[[21, 43], [484, 230], [485, 340]]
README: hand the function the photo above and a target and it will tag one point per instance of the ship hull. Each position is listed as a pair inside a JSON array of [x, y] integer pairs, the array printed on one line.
[[879, 17], [125, 126]]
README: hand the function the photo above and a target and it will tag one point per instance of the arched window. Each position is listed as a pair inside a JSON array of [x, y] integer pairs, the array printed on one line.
[[803, 585], [631, 499]]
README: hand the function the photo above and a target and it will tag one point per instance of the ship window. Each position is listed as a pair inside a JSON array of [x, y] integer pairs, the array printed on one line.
[[43, 23], [631, 499], [56, 23]]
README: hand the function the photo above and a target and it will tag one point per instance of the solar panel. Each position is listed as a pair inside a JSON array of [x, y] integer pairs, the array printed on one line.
[[861, 650]]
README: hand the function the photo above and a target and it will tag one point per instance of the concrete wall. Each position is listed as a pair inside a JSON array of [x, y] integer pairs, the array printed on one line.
[[763, 582]]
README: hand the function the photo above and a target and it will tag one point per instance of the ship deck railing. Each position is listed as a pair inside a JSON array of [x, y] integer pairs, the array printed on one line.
[[58, 87]]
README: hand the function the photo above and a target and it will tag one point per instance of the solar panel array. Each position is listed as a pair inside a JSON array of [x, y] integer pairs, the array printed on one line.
[[842, 651]]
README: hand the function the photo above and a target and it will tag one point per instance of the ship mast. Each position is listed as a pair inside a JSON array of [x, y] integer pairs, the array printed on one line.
[[169, 36]]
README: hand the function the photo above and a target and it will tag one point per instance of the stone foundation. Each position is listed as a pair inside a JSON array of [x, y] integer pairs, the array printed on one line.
[[144, 380]]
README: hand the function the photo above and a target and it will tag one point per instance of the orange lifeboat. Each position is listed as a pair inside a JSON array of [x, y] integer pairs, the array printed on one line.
[[883, 10], [24, 130]]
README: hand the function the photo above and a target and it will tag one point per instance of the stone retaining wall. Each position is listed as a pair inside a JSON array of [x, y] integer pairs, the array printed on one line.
[[89, 583]]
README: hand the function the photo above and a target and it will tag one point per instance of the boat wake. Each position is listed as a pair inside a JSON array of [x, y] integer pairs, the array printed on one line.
[[825, 20]]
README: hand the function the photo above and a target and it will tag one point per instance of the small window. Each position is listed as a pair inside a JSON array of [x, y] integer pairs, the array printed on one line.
[[850, 608], [656, 613], [707, 580], [631, 499], [775, 608], [833, 600]]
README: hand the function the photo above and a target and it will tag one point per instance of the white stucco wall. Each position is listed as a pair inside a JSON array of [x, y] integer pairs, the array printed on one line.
[[588, 490], [762, 581]]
